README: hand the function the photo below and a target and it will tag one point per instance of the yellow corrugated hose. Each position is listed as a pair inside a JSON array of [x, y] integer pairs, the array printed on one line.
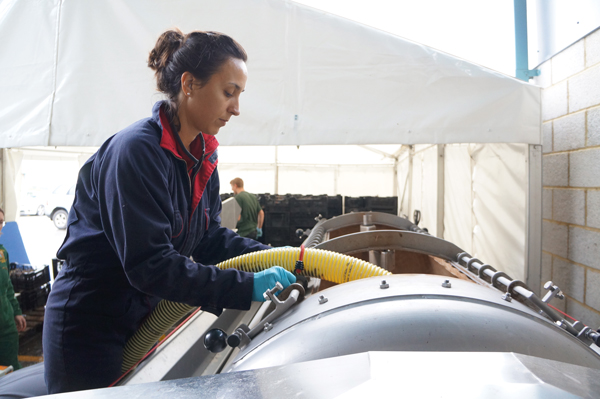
[[325, 265]]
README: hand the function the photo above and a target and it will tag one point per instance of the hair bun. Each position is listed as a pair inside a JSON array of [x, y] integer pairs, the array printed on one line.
[[166, 45]]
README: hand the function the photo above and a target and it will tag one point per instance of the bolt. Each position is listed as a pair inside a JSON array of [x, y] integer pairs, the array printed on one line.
[[268, 326], [384, 285], [561, 324], [446, 284], [322, 299], [507, 297]]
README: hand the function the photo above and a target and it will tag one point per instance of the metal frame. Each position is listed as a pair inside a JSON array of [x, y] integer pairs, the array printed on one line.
[[521, 52], [533, 230]]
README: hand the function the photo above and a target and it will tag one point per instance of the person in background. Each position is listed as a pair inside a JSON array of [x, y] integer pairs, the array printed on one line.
[[12, 321], [145, 224], [252, 217]]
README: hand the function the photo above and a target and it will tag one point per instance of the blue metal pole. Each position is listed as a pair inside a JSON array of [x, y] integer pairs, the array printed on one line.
[[521, 50]]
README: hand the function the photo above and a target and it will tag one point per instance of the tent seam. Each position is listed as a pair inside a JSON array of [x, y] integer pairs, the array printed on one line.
[[55, 72]]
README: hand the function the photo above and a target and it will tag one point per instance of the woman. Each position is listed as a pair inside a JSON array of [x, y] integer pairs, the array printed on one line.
[[12, 321], [144, 203]]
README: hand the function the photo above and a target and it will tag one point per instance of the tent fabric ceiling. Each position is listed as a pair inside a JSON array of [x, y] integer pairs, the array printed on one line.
[[74, 73]]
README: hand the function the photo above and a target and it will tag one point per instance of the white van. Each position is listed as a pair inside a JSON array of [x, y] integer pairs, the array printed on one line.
[[59, 204]]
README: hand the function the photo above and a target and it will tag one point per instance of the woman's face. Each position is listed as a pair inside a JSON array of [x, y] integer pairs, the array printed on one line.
[[209, 107]]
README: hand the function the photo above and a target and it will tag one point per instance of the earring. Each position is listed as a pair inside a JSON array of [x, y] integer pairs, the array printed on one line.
[[189, 94]]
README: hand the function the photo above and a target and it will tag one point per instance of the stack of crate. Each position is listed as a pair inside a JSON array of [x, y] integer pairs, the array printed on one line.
[[276, 228], [284, 214], [372, 204], [31, 286]]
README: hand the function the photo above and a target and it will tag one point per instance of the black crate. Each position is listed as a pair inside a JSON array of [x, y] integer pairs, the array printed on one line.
[[25, 281], [382, 204], [302, 222], [33, 299], [23, 267], [309, 205], [276, 220], [334, 206], [276, 233], [275, 203], [354, 204], [373, 204]]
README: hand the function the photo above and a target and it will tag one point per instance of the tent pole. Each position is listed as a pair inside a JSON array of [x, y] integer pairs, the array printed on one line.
[[411, 156], [276, 188], [396, 189], [533, 231], [439, 231]]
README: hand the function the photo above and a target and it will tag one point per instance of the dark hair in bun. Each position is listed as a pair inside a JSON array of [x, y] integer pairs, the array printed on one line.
[[200, 53]]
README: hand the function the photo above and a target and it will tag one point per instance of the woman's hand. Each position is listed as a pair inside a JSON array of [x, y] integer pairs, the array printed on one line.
[[267, 279], [21, 323]]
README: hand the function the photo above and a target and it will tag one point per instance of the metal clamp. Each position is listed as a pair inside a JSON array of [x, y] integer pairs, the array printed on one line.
[[484, 268], [513, 284], [462, 255], [470, 262], [553, 291], [497, 275], [243, 334]]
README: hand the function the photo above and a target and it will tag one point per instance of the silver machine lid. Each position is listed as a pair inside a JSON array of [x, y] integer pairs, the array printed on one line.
[[409, 313]]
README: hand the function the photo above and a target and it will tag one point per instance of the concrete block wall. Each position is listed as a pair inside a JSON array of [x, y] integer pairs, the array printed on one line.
[[571, 177]]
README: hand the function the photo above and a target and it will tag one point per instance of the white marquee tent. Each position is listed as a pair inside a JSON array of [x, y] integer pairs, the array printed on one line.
[[331, 107]]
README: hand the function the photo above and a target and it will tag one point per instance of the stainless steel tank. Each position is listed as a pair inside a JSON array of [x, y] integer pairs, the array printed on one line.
[[409, 313]]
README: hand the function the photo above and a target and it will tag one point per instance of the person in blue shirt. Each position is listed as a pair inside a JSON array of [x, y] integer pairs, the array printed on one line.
[[145, 221]]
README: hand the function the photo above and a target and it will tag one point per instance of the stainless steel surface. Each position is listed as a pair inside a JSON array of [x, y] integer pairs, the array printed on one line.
[[415, 313], [184, 355], [518, 289], [381, 375], [392, 240], [317, 234]]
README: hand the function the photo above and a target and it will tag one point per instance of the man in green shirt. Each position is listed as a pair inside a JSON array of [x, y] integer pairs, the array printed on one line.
[[252, 217]]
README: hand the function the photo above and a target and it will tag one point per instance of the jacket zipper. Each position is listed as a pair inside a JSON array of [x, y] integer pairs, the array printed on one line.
[[201, 161]]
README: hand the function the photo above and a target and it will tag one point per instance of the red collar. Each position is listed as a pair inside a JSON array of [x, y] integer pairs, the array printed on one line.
[[169, 142]]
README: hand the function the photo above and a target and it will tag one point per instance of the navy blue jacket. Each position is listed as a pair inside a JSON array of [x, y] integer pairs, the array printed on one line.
[[135, 222]]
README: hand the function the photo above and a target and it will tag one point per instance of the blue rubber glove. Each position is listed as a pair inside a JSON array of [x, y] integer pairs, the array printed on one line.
[[258, 232], [267, 279]]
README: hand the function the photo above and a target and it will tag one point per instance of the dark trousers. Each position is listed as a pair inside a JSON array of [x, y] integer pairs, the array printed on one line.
[[9, 347], [86, 326], [80, 357]]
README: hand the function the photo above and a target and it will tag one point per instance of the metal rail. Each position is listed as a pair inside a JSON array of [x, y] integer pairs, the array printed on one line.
[[411, 238]]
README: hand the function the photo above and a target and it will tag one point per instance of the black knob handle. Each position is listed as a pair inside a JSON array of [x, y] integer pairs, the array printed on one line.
[[215, 340], [234, 340]]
